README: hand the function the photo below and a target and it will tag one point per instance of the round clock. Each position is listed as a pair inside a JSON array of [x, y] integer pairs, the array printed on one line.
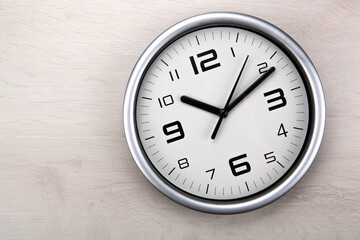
[[224, 113]]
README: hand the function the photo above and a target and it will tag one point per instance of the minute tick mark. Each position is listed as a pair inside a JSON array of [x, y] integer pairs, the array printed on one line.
[[286, 159], [262, 180], [184, 181], [149, 138], [289, 73], [273, 55], [164, 62], [171, 171], [232, 51], [269, 176], [197, 40], [285, 66], [295, 88], [175, 50], [280, 164], [150, 82]]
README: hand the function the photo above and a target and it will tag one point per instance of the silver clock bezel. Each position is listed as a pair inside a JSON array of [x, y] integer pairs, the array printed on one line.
[[281, 39]]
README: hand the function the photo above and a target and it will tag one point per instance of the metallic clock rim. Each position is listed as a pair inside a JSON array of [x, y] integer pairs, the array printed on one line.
[[232, 20]]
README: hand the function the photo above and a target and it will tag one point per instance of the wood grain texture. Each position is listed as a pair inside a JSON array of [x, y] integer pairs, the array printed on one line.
[[65, 169]]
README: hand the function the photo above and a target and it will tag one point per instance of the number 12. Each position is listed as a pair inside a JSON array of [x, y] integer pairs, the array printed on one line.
[[204, 68]]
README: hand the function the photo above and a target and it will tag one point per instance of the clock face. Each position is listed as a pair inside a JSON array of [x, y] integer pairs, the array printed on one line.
[[222, 113]]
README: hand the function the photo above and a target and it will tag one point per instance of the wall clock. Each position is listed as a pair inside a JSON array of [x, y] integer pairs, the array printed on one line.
[[224, 113]]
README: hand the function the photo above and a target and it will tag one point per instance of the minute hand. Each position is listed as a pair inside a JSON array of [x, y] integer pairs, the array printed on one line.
[[250, 89]]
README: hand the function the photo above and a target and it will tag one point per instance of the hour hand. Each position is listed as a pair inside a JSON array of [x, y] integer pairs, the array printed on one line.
[[199, 104]]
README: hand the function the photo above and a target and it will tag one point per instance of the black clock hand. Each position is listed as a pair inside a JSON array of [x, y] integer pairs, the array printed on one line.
[[223, 113], [199, 104], [250, 89]]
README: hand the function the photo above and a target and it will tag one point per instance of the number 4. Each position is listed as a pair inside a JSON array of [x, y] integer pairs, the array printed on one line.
[[282, 130]]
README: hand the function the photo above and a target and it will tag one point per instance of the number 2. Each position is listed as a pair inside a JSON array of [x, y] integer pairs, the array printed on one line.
[[263, 67]]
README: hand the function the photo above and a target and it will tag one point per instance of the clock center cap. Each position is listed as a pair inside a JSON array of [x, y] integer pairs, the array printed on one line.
[[224, 113]]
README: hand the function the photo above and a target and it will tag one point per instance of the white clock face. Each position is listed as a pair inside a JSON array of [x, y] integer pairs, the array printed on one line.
[[185, 92]]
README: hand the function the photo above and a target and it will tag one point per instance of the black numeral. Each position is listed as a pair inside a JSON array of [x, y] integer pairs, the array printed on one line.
[[268, 156], [280, 98], [263, 67], [174, 75], [174, 128], [166, 101], [212, 172], [238, 169], [183, 163], [193, 64], [204, 68], [282, 130]]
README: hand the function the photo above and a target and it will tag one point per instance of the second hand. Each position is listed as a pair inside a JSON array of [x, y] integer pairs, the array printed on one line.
[[224, 111]]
